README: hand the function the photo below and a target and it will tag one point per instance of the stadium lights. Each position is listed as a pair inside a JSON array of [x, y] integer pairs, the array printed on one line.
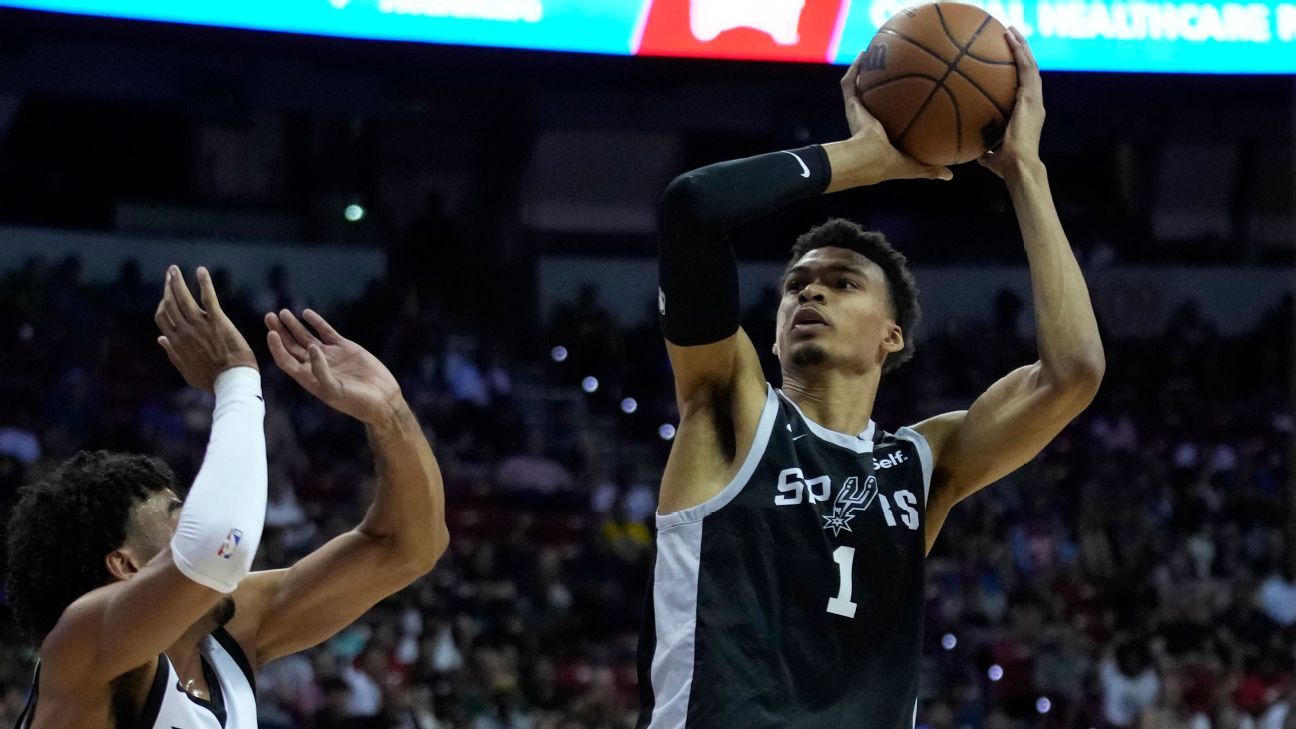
[[666, 431], [629, 405], [948, 641], [354, 213], [558, 354], [590, 384], [1043, 705], [995, 673]]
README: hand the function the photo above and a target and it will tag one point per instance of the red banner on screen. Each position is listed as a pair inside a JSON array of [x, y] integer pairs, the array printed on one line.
[[776, 30]]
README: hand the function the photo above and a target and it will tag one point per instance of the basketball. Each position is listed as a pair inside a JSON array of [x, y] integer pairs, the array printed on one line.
[[942, 80]]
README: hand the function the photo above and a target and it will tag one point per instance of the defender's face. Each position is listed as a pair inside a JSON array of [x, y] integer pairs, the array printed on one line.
[[835, 308], [152, 524]]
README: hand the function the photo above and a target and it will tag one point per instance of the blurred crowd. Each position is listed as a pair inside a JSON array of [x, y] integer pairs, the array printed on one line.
[[1137, 574]]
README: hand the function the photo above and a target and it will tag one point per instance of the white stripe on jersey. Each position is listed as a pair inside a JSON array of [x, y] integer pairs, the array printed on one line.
[[675, 585], [924, 457]]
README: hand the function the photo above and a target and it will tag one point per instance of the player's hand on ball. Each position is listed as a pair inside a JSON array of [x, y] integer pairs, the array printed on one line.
[[873, 158], [333, 368], [199, 340], [1021, 139]]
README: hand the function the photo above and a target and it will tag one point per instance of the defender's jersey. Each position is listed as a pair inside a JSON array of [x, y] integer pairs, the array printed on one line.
[[229, 677], [793, 599]]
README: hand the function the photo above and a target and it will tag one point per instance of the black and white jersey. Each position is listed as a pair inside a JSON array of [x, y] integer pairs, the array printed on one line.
[[793, 599], [229, 677]]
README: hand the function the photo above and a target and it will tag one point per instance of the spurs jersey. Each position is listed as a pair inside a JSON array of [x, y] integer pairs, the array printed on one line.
[[229, 677], [793, 599]]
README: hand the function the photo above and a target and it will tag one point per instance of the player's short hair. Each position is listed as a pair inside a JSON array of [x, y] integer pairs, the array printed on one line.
[[842, 233], [64, 526]]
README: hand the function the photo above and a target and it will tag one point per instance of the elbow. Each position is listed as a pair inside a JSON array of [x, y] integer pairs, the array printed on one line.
[[406, 559], [1082, 377], [681, 204], [420, 559], [440, 543], [1092, 369]]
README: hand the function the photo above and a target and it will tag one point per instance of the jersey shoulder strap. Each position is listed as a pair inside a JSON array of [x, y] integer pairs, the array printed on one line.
[[29, 711]]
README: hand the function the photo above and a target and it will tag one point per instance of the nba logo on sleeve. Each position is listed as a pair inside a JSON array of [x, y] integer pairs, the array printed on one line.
[[230, 545]]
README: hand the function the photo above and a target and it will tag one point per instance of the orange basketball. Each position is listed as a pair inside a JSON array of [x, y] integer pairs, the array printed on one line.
[[942, 80]]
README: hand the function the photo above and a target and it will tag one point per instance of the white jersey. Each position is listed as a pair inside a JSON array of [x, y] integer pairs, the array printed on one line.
[[168, 706]]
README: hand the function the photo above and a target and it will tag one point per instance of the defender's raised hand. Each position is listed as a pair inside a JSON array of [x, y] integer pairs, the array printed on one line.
[[1022, 138], [333, 368], [200, 340]]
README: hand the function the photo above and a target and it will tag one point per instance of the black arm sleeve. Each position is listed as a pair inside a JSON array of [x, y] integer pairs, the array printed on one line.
[[698, 289]]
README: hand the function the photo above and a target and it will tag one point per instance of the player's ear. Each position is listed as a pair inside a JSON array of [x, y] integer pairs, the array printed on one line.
[[121, 564], [774, 349], [893, 340]]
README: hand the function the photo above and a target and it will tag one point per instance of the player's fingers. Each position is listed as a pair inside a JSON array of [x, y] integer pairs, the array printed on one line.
[[207, 291], [296, 329], [1024, 45], [170, 351], [1027, 68], [919, 171], [855, 107], [169, 317], [320, 369], [291, 366], [327, 333], [285, 339], [162, 317], [849, 82], [182, 296]]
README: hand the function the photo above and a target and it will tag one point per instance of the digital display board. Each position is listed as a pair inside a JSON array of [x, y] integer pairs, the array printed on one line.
[[1076, 35]]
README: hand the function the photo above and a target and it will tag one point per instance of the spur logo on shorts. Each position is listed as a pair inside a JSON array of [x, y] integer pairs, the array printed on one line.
[[230, 545]]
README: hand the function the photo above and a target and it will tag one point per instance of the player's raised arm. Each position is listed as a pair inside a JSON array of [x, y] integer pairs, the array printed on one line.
[[719, 384], [1021, 413], [126, 624], [400, 538]]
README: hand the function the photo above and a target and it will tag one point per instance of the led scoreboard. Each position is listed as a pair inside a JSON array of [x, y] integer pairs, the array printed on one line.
[[1170, 36]]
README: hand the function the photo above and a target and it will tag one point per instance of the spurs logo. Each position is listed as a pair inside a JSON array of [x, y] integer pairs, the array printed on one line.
[[851, 499]]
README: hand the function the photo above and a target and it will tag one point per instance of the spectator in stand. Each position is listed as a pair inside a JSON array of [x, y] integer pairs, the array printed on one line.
[[1130, 685]]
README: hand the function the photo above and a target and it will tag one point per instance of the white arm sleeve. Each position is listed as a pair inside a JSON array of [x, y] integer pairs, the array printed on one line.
[[220, 524]]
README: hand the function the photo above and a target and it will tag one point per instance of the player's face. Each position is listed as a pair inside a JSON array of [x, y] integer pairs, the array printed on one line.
[[835, 308], [152, 524]]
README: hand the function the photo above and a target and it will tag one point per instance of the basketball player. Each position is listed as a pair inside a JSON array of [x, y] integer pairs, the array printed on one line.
[[788, 586], [144, 606]]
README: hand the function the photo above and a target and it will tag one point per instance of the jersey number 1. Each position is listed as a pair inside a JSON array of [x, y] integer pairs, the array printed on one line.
[[842, 605]]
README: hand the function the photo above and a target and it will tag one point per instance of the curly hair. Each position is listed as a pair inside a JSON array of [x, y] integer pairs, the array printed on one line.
[[64, 526], [903, 289]]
